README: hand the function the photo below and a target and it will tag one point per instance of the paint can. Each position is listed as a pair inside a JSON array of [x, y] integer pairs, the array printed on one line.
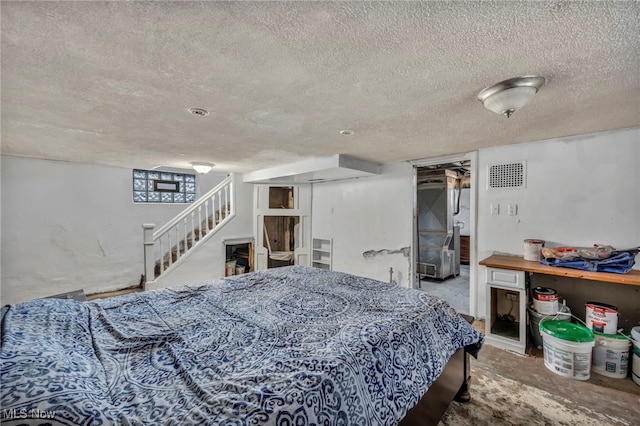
[[635, 364], [545, 300], [602, 318], [611, 355], [532, 249], [567, 348]]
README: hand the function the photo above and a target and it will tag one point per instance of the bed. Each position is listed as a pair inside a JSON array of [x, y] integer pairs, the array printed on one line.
[[286, 346]]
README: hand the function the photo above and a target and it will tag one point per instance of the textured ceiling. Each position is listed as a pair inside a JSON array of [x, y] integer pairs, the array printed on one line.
[[111, 82]]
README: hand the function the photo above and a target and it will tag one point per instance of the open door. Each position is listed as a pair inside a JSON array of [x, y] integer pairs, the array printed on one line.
[[444, 230]]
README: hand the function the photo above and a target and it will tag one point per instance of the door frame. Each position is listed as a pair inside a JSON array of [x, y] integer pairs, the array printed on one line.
[[301, 209], [473, 218]]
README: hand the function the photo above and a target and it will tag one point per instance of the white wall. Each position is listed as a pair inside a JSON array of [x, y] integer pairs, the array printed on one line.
[[464, 216], [208, 261], [68, 226], [579, 191], [370, 220]]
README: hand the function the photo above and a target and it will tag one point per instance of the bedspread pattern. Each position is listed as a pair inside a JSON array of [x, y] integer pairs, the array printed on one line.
[[286, 346]]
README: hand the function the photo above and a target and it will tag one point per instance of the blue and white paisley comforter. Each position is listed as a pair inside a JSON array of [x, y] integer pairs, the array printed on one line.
[[288, 346]]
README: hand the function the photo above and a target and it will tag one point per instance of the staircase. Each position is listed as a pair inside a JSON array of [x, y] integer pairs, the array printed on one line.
[[169, 246]]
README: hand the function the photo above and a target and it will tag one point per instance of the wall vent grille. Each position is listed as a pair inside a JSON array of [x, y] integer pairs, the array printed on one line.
[[507, 176]]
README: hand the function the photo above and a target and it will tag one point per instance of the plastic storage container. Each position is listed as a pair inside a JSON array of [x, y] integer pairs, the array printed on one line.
[[229, 268], [564, 314], [611, 355], [567, 348]]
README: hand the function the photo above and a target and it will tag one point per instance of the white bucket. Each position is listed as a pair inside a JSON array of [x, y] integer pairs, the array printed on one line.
[[545, 300], [635, 371], [532, 249], [611, 355], [564, 314], [602, 318], [635, 366], [567, 348]]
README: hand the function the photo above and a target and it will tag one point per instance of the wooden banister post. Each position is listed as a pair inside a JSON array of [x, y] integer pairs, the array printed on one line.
[[149, 261]]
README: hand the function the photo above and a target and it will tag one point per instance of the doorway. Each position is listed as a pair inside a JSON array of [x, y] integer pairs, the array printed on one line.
[[444, 230], [280, 235], [282, 226]]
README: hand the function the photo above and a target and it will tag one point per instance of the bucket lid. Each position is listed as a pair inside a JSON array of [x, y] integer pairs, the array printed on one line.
[[535, 242], [611, 336], [544, 290], [567, 331]]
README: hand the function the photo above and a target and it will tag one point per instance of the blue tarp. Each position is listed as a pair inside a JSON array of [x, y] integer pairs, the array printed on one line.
[[619, 264]]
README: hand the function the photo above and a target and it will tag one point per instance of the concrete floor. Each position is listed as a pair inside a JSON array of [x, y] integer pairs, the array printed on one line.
[[619, 398], [454, 290]]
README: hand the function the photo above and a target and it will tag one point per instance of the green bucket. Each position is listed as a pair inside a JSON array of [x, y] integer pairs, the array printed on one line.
[[567, 348]]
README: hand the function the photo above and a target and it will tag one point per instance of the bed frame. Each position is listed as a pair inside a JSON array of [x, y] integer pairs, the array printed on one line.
[[451, 385]]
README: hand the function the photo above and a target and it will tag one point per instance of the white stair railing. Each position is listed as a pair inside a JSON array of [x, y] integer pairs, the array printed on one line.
[[169, 246]]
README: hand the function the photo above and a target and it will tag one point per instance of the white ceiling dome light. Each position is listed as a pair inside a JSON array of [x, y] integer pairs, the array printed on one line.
[[202, 168], [508, 96]]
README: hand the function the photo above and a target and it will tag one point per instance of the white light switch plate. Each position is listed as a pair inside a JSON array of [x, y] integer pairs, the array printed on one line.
[[495, 209], [512, 209]]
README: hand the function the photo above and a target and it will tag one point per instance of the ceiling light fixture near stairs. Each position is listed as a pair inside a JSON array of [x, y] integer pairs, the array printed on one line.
[[202, 167], [508, 96]]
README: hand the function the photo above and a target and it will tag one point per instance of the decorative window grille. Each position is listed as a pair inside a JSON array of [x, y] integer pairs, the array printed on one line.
[[507, 176], [150, 186]]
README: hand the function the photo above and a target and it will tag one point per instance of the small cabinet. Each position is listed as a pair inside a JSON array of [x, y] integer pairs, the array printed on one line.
[[321, 253], [506, 315]]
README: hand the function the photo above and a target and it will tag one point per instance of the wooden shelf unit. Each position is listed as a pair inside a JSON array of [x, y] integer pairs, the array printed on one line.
[[321, 253]]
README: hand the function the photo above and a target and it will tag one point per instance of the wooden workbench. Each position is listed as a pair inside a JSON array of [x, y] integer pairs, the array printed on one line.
[[519, 264]]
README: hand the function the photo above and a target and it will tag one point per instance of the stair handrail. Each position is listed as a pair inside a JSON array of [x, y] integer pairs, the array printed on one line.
[[225, 213], [193, 207]]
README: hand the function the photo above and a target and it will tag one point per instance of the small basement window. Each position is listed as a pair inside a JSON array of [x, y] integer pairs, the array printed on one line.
[[150, 186]]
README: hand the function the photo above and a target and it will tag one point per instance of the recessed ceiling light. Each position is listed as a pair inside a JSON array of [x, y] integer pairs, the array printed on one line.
[[347, 132], [198, 111]]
